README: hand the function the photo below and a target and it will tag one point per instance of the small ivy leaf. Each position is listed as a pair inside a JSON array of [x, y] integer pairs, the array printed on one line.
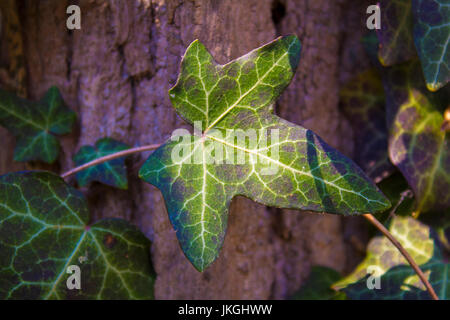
[[246, 150], [112, 172], [395, 35], [417, 145], [382, 255], [43, 231], [36, 124], [318, 285], [431, 36], [397, 279], [363, 102]]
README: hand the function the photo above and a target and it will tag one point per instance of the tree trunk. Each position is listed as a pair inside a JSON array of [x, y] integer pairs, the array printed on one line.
[[115, 73]]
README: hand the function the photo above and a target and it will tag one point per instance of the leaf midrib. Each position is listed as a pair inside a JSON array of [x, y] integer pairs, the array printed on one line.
[[69, 259], [32, 123]]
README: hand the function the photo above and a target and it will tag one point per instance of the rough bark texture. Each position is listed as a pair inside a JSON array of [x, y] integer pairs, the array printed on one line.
[[115, 73]]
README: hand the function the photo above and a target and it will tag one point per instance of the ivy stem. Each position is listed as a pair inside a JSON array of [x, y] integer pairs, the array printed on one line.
[[368, 216], [109, 157], [403, 251]]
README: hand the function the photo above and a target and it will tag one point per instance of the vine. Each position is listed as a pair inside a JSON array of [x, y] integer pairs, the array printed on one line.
[[368, 216], [240, 147]]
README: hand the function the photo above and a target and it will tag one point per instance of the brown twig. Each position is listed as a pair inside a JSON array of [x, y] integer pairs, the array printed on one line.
[[109, 157], [403, 251]]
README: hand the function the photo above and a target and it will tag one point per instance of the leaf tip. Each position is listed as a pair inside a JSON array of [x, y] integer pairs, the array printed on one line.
[[198, 264], [433, 86], [294, 48], [53, 90], [381, 203]]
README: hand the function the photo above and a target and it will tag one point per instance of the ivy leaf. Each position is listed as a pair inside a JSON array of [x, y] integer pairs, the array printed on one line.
[[243, 149], [36, 124], [431, 36], [382, 255], [44, 230], [363, 102], [318, 285], [417, 145], [112, 172], [401, 283], [395, 35], [398, 280]]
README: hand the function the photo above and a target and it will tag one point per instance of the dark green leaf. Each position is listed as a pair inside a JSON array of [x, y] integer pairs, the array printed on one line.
[[244, 149], [36, 124], [112, 172], [396, 33], [363, 102], [431, 36], [44, 229], [417, 145], [318, 285]]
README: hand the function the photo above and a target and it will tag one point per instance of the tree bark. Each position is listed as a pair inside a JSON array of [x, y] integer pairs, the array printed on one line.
[[115, 73]]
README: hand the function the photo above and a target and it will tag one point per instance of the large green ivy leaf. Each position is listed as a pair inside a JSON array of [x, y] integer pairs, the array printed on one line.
[[243, 149], [417, 145], [363, 102], [432, 36], [318, 285], [398, 280], [36, 124], [396, 33], [112, 172], [44, 229]]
